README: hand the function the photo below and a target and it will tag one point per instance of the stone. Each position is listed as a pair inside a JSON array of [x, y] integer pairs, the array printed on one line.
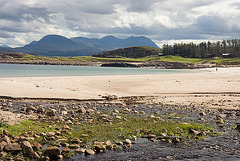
[[100, 148], [26, 147], [13, 148], [238, 113], [3, 154], [34, 155], [116, 111], [40, 110], [82, 110], [5, 132], [141, 113], [89, 152], [2, 145], [66, 150], [36, 146], [80, 150], [127, 141], [76, 141], [69, 122], [50, 113], [74, 146], [6, 139], [30, 108], [238, 126], [50, 134], [192, 131], [90, 112], [53, 151]]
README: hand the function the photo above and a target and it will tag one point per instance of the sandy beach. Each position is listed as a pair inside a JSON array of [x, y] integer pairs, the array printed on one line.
[[186, 88]]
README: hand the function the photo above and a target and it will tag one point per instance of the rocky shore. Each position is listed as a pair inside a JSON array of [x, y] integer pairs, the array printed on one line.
[[57, 139]]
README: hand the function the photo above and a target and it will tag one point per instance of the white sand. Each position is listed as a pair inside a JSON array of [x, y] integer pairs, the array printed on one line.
[[91, 87]]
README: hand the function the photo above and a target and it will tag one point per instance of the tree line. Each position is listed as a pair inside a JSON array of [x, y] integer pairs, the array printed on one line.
[[229, 48]]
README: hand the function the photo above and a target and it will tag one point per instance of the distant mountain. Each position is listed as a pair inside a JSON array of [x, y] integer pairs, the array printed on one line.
[[56, 45], [130, 52], [5, 46]]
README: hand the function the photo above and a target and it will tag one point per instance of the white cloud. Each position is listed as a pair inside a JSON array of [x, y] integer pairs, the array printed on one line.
[[161, 20]]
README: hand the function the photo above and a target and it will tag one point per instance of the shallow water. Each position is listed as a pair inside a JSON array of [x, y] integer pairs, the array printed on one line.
[[26, 70]]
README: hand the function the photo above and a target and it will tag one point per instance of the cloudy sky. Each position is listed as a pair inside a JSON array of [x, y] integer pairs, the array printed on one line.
[[164, 21]]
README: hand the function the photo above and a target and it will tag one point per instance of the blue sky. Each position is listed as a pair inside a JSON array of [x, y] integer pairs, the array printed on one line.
[[163, 21]]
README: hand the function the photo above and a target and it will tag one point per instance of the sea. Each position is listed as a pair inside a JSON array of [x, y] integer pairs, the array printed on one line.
[[27, 70]]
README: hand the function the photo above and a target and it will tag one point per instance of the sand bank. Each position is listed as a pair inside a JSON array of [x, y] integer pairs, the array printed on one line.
[[172, 87]]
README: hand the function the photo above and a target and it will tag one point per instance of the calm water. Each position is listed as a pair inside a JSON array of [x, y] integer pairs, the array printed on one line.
[[25, 70]]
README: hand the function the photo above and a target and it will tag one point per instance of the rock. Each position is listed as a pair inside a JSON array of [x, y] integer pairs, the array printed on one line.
[[76, 141], [141, 113], [40, 110], [30, 108], [118, 117], [116, 111], [69, 122], [238, 126], [85, 135], [34, 155], [50, 113], [5, 132], [219, 121], [26, 147], [82, 110], [238, 113], [66, 150], [3, 154], [2, 145], [109, 145], [100, 148], [50, 134], [53, 152], [90, 112], [59, 157], [6, 139], [13, 148], [127, 141], [74, 146], [192, 131], [105, 118], [80, 150], [36, 146], [89, 152]]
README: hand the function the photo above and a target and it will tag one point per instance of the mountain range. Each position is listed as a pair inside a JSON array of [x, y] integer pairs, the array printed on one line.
[[56, 45]]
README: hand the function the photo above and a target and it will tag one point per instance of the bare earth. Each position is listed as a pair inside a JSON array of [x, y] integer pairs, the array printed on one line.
[[210, 88]]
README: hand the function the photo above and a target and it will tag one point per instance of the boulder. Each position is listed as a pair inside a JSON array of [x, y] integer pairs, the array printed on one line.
[[53, 152], [14, 148], [26, 147]]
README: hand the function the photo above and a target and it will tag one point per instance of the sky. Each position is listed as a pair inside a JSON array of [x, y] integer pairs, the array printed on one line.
[[163, 21]]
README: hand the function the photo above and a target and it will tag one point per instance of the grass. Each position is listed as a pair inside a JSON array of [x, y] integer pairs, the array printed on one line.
[[167, 58], [118, 130]]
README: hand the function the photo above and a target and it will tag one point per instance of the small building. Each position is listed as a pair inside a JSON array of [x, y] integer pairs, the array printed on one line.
[[226, 55]]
